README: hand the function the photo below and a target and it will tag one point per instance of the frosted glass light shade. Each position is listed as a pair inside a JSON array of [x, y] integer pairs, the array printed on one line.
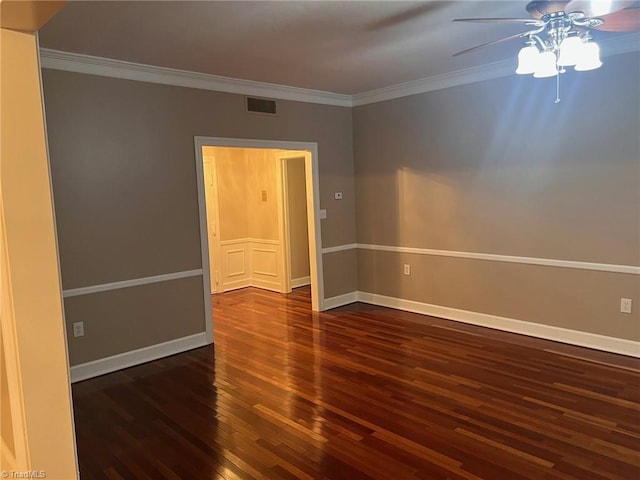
[[571, 51], [590, 58], [546, 65], [527, 60]]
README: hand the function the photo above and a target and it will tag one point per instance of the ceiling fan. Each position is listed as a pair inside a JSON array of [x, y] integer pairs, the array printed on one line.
[[559, 33]]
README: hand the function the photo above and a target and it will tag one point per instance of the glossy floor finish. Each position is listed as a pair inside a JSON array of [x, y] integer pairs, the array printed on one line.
[[361, 392]]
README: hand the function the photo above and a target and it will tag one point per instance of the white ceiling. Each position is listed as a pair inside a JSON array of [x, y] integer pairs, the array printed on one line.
[[345, 47]]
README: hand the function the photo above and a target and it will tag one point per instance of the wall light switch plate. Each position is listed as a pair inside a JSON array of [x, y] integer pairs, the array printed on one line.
[[323, 214], [625, 305], [78, 329], [407, 269]]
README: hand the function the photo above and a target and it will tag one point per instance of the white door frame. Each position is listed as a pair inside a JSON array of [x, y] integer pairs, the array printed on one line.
[[313, 212], [285, 230], [286, 227]]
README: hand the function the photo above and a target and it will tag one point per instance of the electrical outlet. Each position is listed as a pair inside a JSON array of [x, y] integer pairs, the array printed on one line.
[[407, 269], [625, 305], [78, 329]]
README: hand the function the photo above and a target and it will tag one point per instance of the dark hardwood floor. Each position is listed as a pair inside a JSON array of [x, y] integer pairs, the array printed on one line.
[[361, 392]]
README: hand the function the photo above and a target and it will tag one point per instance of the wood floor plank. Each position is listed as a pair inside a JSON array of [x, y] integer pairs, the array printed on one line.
[[361, 392]]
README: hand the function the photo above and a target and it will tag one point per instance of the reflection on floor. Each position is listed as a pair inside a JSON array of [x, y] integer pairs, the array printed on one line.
[[361, 392]]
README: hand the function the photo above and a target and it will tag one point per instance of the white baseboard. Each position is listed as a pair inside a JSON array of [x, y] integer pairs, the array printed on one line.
[[235, 285], [266, 285], [300, 282], [136, 357], [248, 282], [558, 334], [340, 300]]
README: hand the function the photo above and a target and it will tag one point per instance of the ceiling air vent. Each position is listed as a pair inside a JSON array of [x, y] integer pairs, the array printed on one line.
[[261, 105]]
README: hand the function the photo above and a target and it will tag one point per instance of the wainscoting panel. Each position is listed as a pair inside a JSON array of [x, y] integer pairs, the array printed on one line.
[[235, 264], [266, 265], [252, 262]]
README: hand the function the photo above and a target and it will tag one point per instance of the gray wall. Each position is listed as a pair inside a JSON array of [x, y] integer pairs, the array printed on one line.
[[493, 167], [496, 167], [124, 184]]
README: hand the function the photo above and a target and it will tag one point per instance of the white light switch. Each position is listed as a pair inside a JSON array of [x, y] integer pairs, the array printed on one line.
[[78, 329], [625, 305], [323, 214]]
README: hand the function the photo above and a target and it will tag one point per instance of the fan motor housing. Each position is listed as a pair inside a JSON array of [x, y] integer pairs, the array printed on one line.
[[539, 8]]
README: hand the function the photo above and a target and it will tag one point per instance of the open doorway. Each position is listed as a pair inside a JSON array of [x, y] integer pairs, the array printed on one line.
[[253, 235], [256, 218]]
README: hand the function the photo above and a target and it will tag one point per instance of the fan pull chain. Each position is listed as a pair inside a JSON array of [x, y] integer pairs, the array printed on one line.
[[557, 87]]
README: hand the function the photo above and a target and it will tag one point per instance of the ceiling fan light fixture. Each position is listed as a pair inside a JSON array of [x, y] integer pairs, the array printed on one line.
[[528, 59], [590, 58], [558, 34], [572, 50], [546, 65]]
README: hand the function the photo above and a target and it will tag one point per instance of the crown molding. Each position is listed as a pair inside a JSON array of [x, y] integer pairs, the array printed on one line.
[[436, 82], [108, 67], [613, 46]]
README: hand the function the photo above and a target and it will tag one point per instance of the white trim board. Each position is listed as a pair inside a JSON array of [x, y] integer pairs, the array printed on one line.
[[340, 248], [108, 67], [547, 262], [548, 332], [95, 368], [341, 300], [300, 282], [74, 292]]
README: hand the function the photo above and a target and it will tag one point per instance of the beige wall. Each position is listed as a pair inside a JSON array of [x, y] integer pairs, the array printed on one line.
[[242, 175], [31, 315], [124, 180], [496, 167], [231, 174], [262, 212], [297, 211]]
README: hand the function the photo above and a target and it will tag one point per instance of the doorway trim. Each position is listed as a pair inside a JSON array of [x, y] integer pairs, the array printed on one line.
[[313, 212]]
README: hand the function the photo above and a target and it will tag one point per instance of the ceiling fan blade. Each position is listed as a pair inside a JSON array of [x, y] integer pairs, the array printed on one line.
[[627, 20], [493, 42], [597, 8], [526, 21]]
